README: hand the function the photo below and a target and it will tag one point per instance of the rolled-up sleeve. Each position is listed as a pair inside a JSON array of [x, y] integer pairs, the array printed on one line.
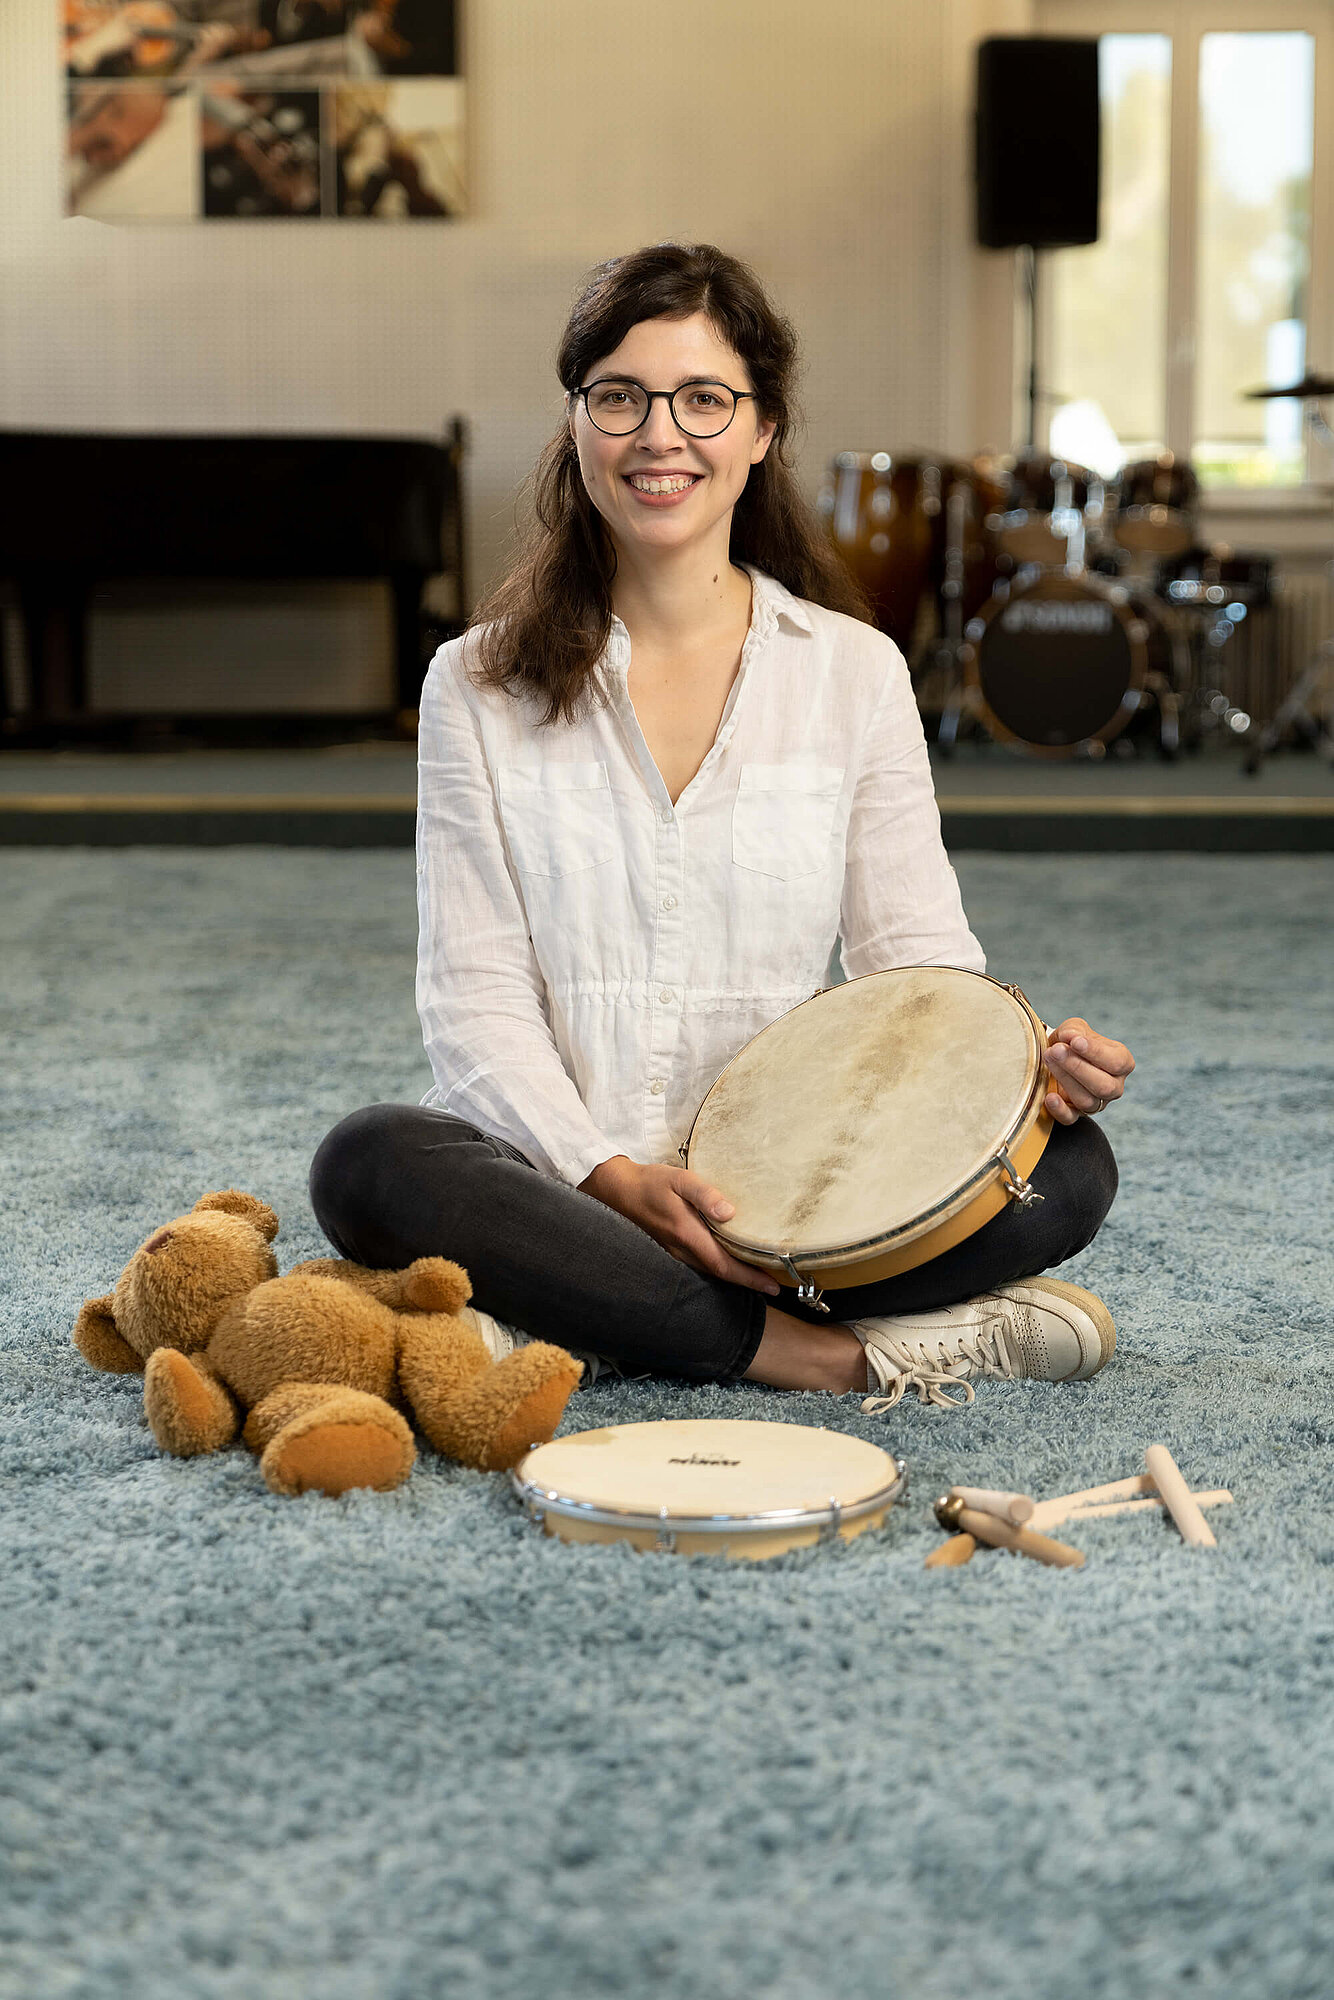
[[901, 902], [480, 995]]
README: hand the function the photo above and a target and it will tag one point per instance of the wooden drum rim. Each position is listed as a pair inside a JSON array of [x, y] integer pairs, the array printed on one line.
[[1027, 1132]]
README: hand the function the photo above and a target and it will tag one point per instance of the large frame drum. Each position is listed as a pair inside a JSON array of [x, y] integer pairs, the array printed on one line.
[[709, 1486], [875, 1125]]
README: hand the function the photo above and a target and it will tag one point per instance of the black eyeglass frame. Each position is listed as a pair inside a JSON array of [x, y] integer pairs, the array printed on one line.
[[668, 396]]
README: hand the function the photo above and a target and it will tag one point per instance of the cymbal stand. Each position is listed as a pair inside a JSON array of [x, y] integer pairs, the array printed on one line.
[[1306, 706]]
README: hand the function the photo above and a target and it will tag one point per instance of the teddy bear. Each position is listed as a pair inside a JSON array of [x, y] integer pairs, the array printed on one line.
[[320, 1369]]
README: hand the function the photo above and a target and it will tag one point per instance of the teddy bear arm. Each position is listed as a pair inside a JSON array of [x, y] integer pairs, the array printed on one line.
[[97, 1340], [380, 1284], [431, 1284]]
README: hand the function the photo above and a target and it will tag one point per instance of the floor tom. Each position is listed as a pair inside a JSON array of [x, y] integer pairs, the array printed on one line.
[[885, 516]]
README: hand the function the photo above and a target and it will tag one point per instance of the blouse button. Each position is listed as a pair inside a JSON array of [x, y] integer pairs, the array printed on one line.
[[657, 1086], [666, 816], [669, 902], [665, 995]]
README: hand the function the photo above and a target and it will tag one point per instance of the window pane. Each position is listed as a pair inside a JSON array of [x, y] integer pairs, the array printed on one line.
[[1109, 299], [1257, 97]]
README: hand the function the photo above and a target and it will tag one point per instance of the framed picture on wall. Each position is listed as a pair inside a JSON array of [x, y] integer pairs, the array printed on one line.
[[250, 109]]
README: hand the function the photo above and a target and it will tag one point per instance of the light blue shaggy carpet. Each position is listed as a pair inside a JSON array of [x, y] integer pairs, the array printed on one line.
[[392, 1748]]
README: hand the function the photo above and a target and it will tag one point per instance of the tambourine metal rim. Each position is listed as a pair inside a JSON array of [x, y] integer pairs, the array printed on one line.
[[539, 1500], [833, 1257]]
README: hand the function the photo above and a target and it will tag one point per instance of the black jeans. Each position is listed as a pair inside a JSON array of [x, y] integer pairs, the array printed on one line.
[[399, 1181]]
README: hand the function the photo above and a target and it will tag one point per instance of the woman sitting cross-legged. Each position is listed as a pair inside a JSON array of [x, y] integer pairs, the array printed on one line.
[[619, 886]]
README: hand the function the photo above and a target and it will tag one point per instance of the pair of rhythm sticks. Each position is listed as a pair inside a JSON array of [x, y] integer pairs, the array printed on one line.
[[1013, 1521]]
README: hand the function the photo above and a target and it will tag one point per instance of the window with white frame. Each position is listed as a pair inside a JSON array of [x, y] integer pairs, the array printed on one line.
[[1205, 280]]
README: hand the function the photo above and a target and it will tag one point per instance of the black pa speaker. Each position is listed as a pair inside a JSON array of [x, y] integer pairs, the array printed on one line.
[[1037, 141]]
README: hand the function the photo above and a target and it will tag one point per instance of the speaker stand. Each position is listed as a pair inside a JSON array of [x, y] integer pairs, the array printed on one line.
[[1030, 269]]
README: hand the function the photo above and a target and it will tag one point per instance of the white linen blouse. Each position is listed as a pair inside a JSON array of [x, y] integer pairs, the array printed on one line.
[[590, 956]]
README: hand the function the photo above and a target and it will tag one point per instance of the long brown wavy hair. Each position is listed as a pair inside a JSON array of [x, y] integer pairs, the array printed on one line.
[[543, 628]]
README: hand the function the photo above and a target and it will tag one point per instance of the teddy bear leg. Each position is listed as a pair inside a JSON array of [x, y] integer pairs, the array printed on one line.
[[321, 1437], [189, 1410], [483, 1413]]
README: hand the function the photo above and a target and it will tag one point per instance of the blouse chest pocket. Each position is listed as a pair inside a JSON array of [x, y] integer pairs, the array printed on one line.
[[559, 818], [784, 816]]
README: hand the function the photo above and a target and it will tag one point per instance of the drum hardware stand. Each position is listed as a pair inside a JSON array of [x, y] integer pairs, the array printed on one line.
[[1299, 708], [949, 650], [1299, 711]]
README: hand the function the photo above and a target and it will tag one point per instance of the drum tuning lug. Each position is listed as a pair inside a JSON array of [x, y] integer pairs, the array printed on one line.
[[829, 1533], [807, 1293], [1022, 1191], [666, 1542]]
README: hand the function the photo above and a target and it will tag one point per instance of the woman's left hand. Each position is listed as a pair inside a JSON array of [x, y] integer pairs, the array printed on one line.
[[1089, 1069]]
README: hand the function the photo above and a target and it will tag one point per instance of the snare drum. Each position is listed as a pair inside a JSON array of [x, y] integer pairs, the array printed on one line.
[[709, 1486], [874, 1126]]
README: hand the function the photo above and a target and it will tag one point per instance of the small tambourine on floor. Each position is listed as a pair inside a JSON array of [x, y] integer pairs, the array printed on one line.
[[709, 1486]]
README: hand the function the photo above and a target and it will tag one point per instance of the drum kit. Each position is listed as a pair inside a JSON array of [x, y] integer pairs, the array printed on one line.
[[1061, 607]]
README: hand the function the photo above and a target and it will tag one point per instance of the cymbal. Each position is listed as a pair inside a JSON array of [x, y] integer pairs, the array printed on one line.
[[1309, 386]]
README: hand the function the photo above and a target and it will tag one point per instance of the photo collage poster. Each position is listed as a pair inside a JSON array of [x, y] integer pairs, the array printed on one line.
[[199, 109]]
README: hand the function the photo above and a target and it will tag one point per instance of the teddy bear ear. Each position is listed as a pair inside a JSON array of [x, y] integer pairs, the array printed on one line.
[[248, 1206], [97, 1340]]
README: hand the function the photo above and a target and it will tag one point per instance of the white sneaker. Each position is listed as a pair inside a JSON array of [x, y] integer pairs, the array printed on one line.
[[501, 1340], [1044, 1328]]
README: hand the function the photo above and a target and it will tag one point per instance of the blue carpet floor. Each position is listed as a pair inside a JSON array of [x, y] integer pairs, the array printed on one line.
[[392, 1748]]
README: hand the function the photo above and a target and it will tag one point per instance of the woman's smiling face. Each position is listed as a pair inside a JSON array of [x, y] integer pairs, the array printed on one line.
[[697, 480]]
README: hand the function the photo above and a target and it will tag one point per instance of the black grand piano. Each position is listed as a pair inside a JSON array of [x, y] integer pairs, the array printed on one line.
[[77, 509]]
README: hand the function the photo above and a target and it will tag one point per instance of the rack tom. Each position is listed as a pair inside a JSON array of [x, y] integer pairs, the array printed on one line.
[[1156, 499], [1042, 503]]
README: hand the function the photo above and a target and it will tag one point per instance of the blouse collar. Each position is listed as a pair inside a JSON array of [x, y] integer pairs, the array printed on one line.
[[770, 601]]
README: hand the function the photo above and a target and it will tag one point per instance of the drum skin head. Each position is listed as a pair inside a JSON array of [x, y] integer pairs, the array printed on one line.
[[865, 1112], [702, 1469]]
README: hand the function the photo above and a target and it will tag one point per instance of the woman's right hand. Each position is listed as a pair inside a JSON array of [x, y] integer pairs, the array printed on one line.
[[670, 1204]]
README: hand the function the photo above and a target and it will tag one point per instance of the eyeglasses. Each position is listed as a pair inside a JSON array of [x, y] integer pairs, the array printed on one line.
[[617, 406]]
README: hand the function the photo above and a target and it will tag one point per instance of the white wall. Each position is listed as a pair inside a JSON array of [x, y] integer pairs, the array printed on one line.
[[828, 143]]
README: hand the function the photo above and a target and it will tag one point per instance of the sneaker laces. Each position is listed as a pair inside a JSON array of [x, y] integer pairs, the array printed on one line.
[[935, 1368]]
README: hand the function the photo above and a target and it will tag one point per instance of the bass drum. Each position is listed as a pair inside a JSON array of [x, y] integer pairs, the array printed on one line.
[[885, 516], [1059, 663]]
